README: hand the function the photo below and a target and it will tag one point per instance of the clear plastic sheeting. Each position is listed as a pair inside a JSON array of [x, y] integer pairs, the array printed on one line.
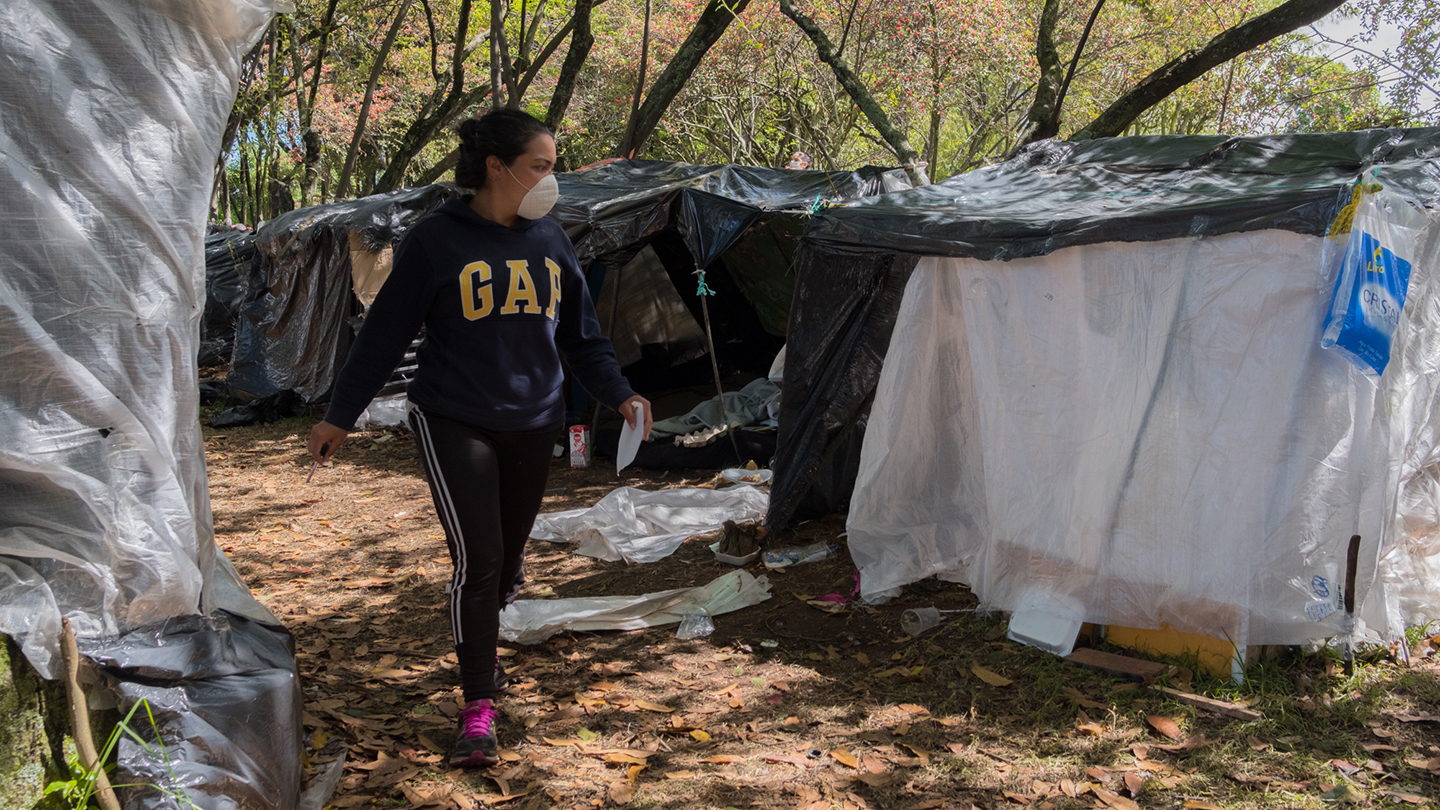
[[531, 621], [639, 527], [1152, 432], [111, 115]]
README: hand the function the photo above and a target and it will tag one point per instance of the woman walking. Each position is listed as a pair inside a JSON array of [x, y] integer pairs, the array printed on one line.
[[501, 295]]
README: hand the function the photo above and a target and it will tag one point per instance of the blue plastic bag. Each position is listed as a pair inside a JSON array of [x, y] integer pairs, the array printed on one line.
[[1373, 279]]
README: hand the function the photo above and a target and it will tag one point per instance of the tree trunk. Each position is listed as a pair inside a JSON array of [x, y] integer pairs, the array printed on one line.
[[497, 25], [314, 146], [33, 725], [421, 132], [581, 40], [639, 82], [437, 171], [893, 137], [375, 71], [932, 149], [1193, 64], [1044, 114], [713, 22], [438, 113]]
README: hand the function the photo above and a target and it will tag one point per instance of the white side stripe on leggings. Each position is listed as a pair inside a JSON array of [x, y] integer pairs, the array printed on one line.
[[447, 516]]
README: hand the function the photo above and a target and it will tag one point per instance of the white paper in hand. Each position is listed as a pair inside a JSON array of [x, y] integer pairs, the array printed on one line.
[[630, 439]]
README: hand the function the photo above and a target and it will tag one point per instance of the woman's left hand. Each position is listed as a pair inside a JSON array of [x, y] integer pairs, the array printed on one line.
[[627, 410]]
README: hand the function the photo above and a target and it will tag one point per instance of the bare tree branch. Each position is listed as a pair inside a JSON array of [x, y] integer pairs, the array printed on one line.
[[894, 138]]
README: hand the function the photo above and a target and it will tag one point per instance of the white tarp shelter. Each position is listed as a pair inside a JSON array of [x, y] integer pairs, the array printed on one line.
[[1103, 396]]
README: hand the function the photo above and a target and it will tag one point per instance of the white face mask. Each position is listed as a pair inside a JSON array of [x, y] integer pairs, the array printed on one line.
[[539, 199]]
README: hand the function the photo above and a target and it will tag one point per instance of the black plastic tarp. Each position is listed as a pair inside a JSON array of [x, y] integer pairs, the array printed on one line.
[[611, 212], [1058, 194], [228, 251], [297, 319], [202, 680], [294, 329], [856, 259]]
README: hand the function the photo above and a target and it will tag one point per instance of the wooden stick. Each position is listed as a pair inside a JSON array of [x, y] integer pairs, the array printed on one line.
[[1352, 561], [1209, 704], [80, 717]]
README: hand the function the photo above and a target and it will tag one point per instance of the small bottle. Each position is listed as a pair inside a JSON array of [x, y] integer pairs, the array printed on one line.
[[786, 557], [695, 625]]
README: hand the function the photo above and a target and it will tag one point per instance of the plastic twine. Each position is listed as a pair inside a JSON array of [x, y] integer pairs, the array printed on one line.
[[703, 289]]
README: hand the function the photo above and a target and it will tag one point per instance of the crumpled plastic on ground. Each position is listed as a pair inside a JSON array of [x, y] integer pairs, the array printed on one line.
[[747, 406], [531, 621], [639, 527]]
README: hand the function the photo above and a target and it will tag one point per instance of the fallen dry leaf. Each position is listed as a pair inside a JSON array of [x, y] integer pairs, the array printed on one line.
[[652, 707], [798, 760], [845, 758], [622, 792], [1193, 742], [919, 754], [1114, 799], [876, 779], [992, 678], [1196, 804], [1408, 798], [1079, 697], [723, 759], [1164, 725]]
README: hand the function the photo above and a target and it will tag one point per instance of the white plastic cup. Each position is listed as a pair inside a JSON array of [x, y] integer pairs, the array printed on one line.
[[917, 620]]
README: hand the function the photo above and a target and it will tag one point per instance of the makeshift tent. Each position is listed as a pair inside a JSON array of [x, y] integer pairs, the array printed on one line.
[[1089, 384], [228, 252], [315, 271], [111, 115], [641, 228]]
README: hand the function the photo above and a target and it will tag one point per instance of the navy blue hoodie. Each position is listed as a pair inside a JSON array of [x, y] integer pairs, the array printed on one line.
[[499, 305]]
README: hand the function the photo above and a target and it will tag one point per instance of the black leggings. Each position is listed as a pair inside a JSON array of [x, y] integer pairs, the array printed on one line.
[[487, 488]]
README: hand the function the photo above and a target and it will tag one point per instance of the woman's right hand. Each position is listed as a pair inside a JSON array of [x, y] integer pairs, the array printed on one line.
[[325, 439]]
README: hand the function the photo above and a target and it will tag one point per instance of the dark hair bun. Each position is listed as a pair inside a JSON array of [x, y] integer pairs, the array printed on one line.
[[502, 133]]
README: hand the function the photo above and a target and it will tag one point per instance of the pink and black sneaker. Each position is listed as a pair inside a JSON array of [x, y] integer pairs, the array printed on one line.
[[475, 745]]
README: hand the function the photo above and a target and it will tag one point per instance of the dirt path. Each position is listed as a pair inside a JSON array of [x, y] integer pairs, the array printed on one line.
[[784, 706]]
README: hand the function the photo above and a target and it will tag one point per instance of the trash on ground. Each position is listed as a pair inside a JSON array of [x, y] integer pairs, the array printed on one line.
[[531, 621], [786, 557], [639, 527], [742, 476], [739, 544], [696, 624]]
